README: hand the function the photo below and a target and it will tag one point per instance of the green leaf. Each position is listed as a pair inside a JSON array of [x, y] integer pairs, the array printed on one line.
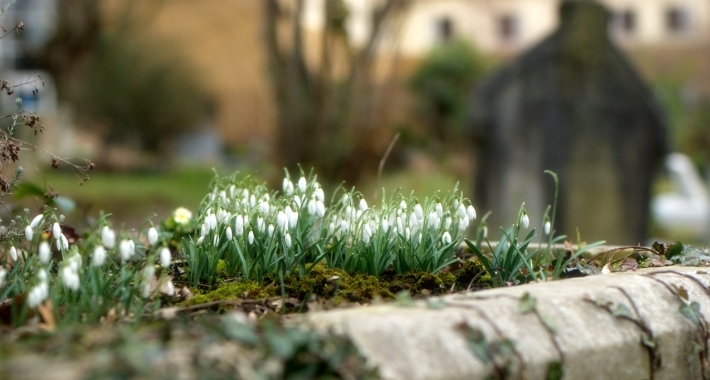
[[549, 324], [647, 340], [622, 310], [403, 298], [691, 311], [674, 250], [554, 371], [527, 303]]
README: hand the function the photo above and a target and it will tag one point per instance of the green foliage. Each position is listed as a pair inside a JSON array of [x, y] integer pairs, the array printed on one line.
[[140, 92], [443, 82]]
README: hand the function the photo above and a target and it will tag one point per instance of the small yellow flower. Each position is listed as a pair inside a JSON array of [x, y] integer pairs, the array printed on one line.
[[182, 216]]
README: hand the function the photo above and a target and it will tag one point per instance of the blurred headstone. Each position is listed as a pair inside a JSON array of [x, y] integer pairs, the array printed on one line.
[[572, 104]]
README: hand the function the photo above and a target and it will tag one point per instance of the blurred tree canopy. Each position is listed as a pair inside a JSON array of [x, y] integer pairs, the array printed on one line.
[[329, 114], [133, 87], [442, 84]]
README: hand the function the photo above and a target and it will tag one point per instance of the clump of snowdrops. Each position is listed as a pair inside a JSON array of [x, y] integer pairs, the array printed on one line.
[[262, 234], [108, 273]]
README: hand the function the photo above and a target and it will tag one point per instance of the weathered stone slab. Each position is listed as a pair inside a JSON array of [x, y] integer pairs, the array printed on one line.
[[599, 327]]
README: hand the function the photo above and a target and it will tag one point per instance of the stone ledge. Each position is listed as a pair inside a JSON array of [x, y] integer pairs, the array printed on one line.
[[429, 340]]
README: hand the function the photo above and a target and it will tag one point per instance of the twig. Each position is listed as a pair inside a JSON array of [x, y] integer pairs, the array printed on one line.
[[382, 163]]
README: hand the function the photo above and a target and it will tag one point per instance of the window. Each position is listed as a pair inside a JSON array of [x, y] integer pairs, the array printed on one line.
[[444, 29], [676, 20], [626, 22], [508, 27]]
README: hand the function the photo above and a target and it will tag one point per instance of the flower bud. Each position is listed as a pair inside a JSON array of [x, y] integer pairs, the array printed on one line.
[[126, 247], [302, 184], [44, 252], [524, 220], [152, 236], [13, 253], [250, 237], [471, 212], [446, 238], [546, 228], [287, 240], [165, 257], [56, 230], [108, 237], [29, 233], [228, 233], [99, 256], [35, 222]]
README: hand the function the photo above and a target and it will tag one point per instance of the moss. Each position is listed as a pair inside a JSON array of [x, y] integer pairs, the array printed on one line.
[[232, 290], [361, 288], [473, 270], [319, 281]]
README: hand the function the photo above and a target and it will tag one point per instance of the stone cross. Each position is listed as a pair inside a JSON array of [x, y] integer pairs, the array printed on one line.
[[572, 104]]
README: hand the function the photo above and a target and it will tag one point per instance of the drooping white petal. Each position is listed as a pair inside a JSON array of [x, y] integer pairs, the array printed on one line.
[[152, 236]]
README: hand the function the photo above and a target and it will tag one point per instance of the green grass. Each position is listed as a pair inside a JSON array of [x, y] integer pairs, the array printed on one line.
[[131, 197]]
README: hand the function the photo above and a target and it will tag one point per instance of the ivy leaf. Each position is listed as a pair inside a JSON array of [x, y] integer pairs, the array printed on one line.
[[691, 311], [527, 303]]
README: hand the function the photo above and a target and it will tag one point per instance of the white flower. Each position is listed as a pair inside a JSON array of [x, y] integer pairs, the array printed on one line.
[[42, 275], [228, 233], [287, 240], [439, 209], [385, 225], [44, 252], [37, 295], [270, 230], [447, 222], [524, 220], [3, 274], [29, 233], [56, 230], [99, 256], [297, 201], [471, 212], [181, 216], [215, 241], [35, 222], [169, 288], [331, 228], [407, 233], [546, 228], [302, 184], [223, 196], [13, 253], [250, 237], [293, 219], [127, 248], [446, 238], [485, 232], [462, 211], [70, 278], [212, 221], [418, 211], [252, 200], [463, 224], [108, 237], [287, 186], [363, 204], [152, 236], [74, 262], [434, 220], [199, 241], [281, 220], [320, 195], [320, 208], [403, 205], [64, 242], [165, 257], [260, 224], [222, 215], [264, 208], [312, 207]]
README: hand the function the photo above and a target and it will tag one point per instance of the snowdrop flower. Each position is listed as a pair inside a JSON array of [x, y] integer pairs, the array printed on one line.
[[288, 186], [29, 233], [56, 230], [281, 220], [152, 236], [446, 238], [524, 220], [260, 224], [331, 228], [98, 256], [434, 221], [44, 252], [439, 209], [239, 225], [223, 196], [546, 228], [215, 241], [199, 241], [302, 184], [13, 253], [287, 239], [252, 201], [70, 278], [320, 209], [403, 205], [319, 194], [418, 211], [447, 222], [463, 224], [312, 207], [407, 233], [3, 274], [165, 257], [169, 288], [400, 226], [62, 243], [222, 215], [250, 237], [297, 201], [37, 295], [462, 211], [74, 262], [108, 237], [471, 212], [181, 216], [264, 208], [385, 225], [363, 204], [127, 249], [270, 230], [292, 218], [35, 222], [212, 218], [228, 233], [485, 232], [204, 228]]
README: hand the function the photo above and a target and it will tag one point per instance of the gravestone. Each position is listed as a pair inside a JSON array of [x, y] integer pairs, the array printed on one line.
[[572, 104]]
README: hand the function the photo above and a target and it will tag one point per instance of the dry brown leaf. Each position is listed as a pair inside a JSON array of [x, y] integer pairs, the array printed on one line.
[[629, 263], [46, 312]]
